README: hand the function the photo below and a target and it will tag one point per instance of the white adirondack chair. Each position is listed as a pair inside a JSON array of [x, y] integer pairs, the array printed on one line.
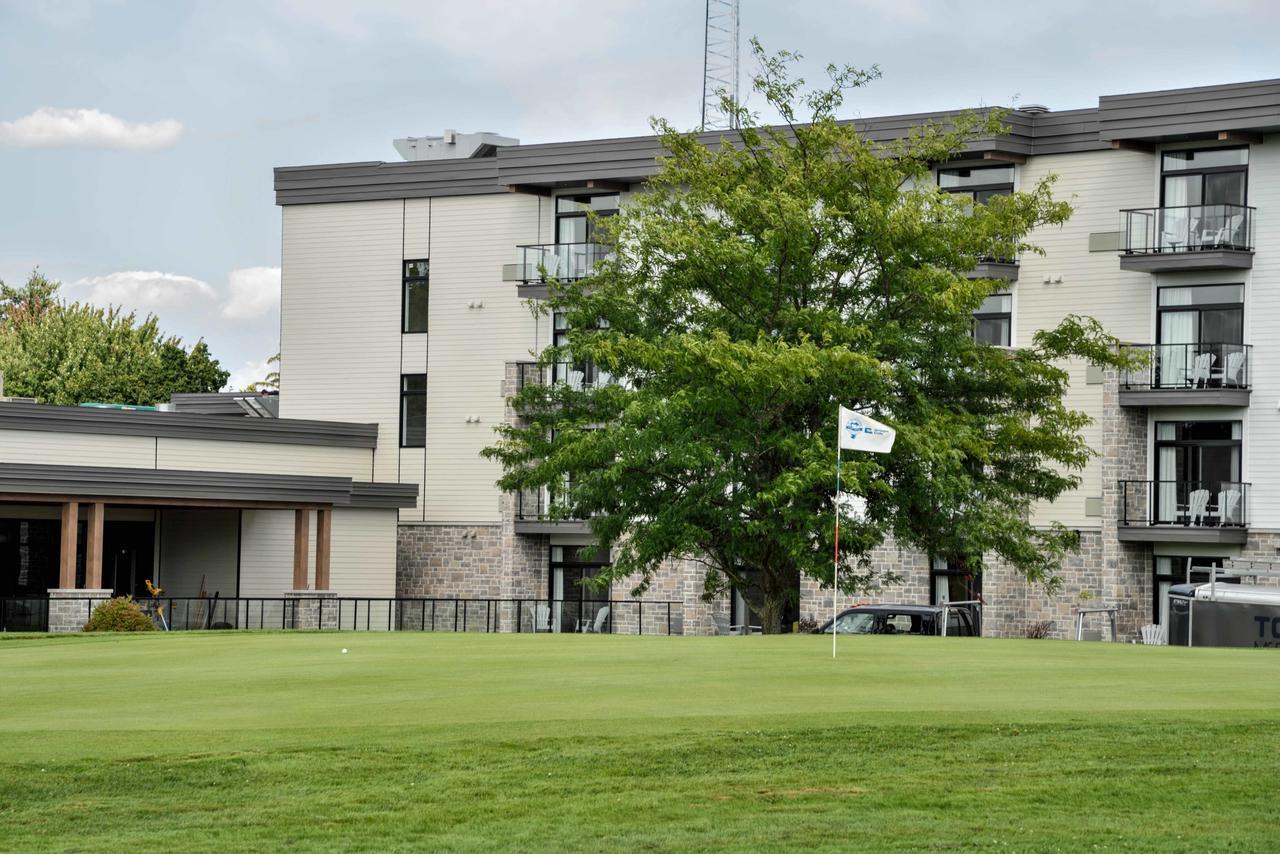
[[1198, 506], [1154, 634], [542, 618], [1232, 375], [1200, 369], [1228, 506], [596, 626]]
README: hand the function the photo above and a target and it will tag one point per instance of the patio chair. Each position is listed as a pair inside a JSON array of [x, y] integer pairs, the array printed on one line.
[[1154, 634], [1197, 507], [1200, 369], [596, 626], [1233, 374], [542, 618], [1228, 506]]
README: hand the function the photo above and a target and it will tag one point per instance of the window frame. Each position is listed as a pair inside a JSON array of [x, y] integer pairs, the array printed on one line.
[[405, 281], [405, 395], [1205, 170], [972, 191], [1199, 562], [580, 198], [995, 315]]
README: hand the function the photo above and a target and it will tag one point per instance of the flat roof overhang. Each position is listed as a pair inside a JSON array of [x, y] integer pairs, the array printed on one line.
[[1182, 534], [1145, 397], [34, 483]]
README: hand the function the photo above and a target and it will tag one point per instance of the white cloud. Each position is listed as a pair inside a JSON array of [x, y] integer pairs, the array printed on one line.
[[248, 372], [142, 291], [48, 127], [252, 292]]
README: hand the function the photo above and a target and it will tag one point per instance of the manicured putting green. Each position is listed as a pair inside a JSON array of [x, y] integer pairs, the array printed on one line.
[[208, 741]]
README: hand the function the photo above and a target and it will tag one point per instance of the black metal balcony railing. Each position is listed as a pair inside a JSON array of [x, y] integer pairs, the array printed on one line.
[[536, 504], [1190, 228], [1190, 503], [564, 262], [1191, 366]]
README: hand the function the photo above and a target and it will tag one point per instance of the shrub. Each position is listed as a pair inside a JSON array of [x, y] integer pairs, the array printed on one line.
[[121, 614], [1040, 630]]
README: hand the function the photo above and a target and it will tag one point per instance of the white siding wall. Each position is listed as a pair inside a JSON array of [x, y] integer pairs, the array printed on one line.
[[209, 455], [363, 559], [198, 546], [1262, 321], [266, 552], [340, 317], [76, 449], [1098, 185]]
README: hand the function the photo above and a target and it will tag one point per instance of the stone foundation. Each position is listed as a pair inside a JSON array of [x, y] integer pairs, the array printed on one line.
[[312, 610], [70, 609]]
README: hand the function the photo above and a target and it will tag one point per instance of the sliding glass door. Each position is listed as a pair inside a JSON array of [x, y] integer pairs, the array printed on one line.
[[1198, 473], [1200, 337]]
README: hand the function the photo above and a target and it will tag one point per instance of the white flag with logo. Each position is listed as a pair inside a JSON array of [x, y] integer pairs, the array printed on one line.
[[862, 433]]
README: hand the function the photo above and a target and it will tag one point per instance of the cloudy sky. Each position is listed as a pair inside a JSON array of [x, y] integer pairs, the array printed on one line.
[[137, 138]]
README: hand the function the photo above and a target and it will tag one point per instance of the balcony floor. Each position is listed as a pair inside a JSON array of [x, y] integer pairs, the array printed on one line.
[[1182, 534], [552, 526], [1178, 262], [1143, 397]]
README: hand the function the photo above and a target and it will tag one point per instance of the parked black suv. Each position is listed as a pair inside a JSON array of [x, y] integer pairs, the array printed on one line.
[[903, 620]]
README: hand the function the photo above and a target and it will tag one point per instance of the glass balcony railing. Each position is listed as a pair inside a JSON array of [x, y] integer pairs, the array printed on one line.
[[576, 375], [1191, 228], [1189, 503], [1191, 366], [564, 262]]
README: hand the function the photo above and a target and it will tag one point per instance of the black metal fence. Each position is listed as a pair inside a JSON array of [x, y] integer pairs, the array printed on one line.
[[1191, 366], [347, 613], [1187, 228], [1190, 503]]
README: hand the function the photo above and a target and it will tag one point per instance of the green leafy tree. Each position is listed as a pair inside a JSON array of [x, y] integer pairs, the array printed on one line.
[[70, 353], [753, 286]]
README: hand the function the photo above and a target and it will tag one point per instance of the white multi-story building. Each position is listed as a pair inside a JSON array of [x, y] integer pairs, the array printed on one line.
[[403, 287], [405, 329]]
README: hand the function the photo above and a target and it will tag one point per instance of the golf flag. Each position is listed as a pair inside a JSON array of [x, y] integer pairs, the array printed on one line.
[[862, 433]]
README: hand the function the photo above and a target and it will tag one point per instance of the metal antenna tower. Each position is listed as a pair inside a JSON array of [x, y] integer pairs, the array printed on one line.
[[720, 63]]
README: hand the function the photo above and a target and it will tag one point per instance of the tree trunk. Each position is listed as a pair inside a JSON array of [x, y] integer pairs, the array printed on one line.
[[771, 612]]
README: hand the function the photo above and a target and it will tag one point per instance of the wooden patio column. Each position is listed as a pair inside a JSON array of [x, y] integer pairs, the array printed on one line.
[[301, 523], [93, 548], [324, 527], [67, 553]]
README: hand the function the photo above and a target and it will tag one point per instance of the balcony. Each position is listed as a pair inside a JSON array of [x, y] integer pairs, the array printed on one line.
[[533, 515], [1187, 239], [1189, 375], [1173, 511], [994, 268], [565, 262]]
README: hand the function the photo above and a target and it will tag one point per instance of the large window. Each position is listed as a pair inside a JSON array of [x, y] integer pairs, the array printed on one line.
[[1214, 176], [1171, 570], [1203, 194], [1198, 473], [575, 605], [417, 287], [979, 183], [577, 373], [573, 225], [954, 581], [413, 411], [1200, 335], [993, 321]]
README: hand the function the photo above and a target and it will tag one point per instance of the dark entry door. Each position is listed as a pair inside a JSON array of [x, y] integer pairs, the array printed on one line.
[[128, 557]]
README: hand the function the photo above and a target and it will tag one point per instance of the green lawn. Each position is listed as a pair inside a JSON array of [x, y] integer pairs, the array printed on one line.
[[481, 742]]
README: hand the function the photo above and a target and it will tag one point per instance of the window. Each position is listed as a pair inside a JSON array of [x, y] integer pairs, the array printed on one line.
[[574, 604], [413, 313], [573, 225], [1202, 197], [1198, 473], [993, 321], [1183, 569], [413, 411], [579, 374], [1214, 176], [1200, 334], [979, 183]]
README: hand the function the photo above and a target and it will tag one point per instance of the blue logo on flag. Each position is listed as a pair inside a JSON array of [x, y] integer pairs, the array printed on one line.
[[855, 428]]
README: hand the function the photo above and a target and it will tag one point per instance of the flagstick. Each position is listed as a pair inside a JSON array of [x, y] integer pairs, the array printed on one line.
[[835, 573]]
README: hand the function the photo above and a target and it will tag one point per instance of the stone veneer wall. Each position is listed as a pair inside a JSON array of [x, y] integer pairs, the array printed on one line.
[[70, 609]]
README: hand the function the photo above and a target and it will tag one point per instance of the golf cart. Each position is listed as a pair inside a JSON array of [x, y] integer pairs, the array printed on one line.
[[954, 619]]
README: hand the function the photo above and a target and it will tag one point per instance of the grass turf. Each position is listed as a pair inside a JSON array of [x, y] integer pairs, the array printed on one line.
[[261, 741]]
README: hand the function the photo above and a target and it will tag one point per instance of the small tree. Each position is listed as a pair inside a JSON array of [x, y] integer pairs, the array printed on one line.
[[755, 285], [71, 353]]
